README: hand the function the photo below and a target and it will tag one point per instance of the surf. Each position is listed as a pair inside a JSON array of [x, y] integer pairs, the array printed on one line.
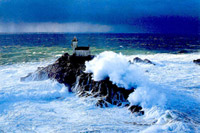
[[29, 106]]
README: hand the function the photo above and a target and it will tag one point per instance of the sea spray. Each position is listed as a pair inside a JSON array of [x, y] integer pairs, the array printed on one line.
[[125, 74], [147, 97], [117, 68]]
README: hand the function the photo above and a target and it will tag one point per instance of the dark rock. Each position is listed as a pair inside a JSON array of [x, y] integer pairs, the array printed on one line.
[[64, 70], [101, 103], [145, 61], [183, 51], [148, 62], [127, 105], [69, 70], [197, 61], [137, 60], [137, 109], [104, 89]]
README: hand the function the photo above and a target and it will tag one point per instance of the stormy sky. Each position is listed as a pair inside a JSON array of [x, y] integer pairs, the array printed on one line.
[[131, 16]]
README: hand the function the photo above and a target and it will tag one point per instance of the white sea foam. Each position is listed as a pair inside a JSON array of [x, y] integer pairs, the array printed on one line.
[[117, 68], [166, 86], [127, 75], [12, 89], [46, 106]]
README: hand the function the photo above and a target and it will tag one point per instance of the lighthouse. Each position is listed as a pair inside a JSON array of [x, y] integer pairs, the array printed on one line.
[[79, 51], [74, 44]]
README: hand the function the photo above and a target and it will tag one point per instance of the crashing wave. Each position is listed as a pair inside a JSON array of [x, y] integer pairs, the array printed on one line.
[[109, 77]]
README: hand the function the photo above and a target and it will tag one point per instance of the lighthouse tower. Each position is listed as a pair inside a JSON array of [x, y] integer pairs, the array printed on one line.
[[74, 44]]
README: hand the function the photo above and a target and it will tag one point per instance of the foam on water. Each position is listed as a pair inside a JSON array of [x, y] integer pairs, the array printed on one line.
[[164, 86], [178, 79], [41, 106]]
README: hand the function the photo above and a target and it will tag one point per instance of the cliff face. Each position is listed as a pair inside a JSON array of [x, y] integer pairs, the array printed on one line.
[[69, 70], [104, 90]]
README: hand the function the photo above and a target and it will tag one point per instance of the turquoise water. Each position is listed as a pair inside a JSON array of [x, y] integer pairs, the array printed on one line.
[[17, 54], [16, 48]]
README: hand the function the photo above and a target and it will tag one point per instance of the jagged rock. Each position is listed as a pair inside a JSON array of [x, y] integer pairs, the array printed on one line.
[[104, 89], [64, 70], [101, 103], [197, 61], [183, 51], [139, 60], [137, 109], [69, 70]]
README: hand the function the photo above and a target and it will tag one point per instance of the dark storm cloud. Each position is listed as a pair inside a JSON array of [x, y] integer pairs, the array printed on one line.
[[131, 15]]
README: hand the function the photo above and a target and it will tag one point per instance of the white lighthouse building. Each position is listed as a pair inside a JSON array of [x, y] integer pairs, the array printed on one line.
[[79, 51]]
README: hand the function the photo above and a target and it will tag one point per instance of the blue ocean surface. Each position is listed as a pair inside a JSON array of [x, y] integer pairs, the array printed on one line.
[[39, 46], [34, 106]]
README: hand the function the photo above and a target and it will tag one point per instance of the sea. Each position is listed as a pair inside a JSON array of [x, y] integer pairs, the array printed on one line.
[[34, 106]]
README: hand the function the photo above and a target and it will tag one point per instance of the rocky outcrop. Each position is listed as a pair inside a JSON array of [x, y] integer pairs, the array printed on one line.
[[65, 70], [69, 70], [105, 90], [197, 61], [136, 109], [183, 51], [145, 61]]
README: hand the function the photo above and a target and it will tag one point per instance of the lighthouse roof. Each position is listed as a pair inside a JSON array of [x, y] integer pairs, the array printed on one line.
[[74, 39], [82, 48]]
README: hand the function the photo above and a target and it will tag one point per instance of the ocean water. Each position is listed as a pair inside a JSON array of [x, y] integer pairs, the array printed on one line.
[[39, 47], [169, 91]]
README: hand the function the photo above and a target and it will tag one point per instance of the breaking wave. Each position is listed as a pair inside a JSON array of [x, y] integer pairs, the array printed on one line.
[[168, 92], [125, 74], [166, 101]]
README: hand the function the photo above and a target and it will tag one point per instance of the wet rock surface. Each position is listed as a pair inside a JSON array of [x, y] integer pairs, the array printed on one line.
[[197, 61], [136, 109], [105, 90], [183, 51], [69, 70], [145, 61]]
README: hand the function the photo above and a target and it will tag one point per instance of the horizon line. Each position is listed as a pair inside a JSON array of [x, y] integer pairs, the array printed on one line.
[[1, 33]]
